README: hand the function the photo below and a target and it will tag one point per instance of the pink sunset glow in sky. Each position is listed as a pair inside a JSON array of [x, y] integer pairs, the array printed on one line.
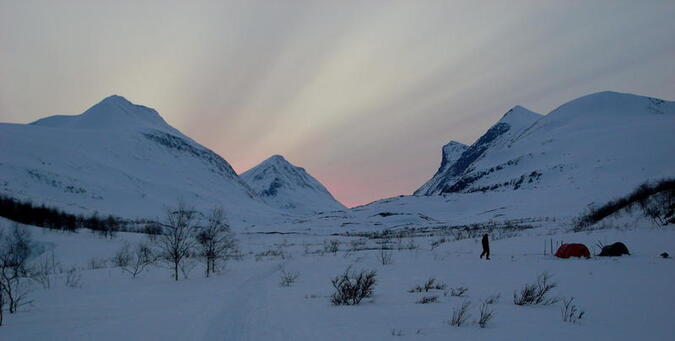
[[362, 94]]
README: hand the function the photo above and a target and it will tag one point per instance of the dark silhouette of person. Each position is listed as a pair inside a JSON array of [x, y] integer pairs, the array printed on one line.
[[486, 247]]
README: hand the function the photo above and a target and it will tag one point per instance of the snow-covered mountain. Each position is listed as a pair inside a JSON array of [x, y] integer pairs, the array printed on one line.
[[586, 152], [596, 142], [122, 159], [459, 158], [450, 154], [291, 188]]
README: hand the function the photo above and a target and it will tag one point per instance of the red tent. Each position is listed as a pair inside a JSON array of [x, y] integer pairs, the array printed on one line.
[[573, 250]]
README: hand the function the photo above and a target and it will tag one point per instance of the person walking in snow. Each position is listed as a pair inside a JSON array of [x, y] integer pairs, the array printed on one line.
[[486, 247]]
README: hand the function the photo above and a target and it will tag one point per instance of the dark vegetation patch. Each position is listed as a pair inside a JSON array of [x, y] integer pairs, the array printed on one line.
[[26, 212], [655, 200]]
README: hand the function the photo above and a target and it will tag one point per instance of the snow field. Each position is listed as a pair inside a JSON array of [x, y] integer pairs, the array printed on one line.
[[622, 297]]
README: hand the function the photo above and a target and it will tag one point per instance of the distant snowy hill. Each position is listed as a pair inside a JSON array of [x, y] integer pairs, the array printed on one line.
[[291, 188], [600, 141], [122, 159]]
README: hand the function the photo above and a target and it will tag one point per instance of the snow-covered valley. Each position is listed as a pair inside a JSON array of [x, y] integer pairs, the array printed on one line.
[[525, 182], [622, 297]]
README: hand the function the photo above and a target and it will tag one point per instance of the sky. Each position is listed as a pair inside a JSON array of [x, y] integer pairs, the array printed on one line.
[[362, 94]]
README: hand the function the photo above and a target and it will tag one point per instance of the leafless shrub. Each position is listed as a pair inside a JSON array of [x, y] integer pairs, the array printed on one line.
[[352, 288], [98, 263], [187, 266], [216, 241], [385, 257], [288, 278], [459, 291], [152, 230], [134, 261], [570, 312], [430, 284], [73, 278], [331, 246], [396, 332], [176, 243], [438, 242], [270, 253], [42, 270], [15, 283], [486, 314], [460, 314], [357, 245], [536, 293], [493, 299], [427, 299], [410, 245], [41, 277]]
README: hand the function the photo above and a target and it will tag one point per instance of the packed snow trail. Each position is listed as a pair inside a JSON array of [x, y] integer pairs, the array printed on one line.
[[244, 312]]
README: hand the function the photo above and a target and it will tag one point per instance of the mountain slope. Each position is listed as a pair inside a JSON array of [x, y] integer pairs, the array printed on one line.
[[587, 152], [509, 126], [604, 139], [291, 188], [450, 154], [122, 159]]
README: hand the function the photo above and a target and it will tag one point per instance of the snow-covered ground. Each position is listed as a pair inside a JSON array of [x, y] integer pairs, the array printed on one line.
[[624, 298], [526, 178]]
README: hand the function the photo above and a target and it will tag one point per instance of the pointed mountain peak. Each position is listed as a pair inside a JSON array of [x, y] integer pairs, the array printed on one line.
[[279, 163], [286, 186], [518, 115], [116, 99], [276, 159]]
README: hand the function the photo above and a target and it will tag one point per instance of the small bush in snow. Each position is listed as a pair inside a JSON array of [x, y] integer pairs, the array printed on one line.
[[352, 288], [430, 284], [486, 314], [536, 293], [134, 261], [427, 299], [385, 257], [98, 263], [459, 291], [570, 312], [460, 314], [269, 253], [396, 332], [357, 245], [288, 278], [73, 278], [331, 246], [409, 246], [493, 299], [42, 270], [438, 242]]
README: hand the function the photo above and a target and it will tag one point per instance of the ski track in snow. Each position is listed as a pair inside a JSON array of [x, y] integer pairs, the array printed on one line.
[[251, 303]]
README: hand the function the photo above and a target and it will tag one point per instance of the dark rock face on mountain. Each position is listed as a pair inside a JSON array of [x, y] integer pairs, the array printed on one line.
[[448, 177]]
